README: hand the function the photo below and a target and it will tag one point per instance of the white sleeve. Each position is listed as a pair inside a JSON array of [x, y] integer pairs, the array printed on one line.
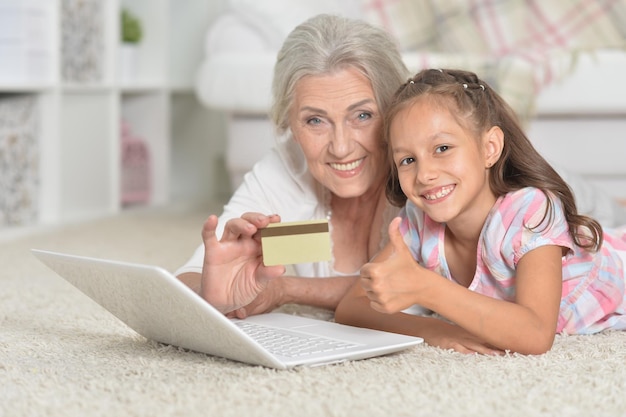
[[272, 187]]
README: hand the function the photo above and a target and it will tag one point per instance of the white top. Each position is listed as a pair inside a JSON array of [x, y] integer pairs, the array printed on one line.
[[280, 183]]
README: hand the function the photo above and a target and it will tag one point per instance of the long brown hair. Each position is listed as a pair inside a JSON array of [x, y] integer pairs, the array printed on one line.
[[478, 107]]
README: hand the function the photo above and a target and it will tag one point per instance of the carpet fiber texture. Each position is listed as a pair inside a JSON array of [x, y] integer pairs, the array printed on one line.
[[63, 355]]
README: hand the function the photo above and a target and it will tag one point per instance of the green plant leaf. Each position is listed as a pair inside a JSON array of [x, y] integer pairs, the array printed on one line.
[[131, 27]]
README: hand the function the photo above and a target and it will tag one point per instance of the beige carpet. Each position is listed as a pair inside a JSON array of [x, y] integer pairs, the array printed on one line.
[[62, 355]]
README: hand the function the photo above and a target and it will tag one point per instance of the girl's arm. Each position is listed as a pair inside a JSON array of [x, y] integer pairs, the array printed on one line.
[[354, 309], [395, 281], [527, 325]]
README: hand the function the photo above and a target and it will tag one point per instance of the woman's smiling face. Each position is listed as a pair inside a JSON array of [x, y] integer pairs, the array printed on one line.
[[336, 121]]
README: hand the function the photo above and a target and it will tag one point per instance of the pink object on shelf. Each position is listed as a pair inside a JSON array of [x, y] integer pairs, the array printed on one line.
[[135, 177]]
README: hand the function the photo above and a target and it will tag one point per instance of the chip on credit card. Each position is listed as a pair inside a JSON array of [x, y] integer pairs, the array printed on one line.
[[296, 242]]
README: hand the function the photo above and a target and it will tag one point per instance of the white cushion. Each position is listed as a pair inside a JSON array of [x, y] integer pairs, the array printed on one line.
[[230, 34], [238, 83]]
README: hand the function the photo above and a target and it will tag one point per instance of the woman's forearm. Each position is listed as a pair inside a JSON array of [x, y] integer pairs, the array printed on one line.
[[317, 292], [192, 280]]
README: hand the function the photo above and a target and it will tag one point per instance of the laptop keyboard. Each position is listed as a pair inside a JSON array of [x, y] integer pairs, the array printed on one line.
[[291, 344]]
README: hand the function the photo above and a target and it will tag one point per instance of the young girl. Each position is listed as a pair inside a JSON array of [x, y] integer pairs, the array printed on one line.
[[501, 251]]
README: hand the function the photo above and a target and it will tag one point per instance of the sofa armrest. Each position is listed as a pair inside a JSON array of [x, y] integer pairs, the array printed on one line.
[[593, 86]]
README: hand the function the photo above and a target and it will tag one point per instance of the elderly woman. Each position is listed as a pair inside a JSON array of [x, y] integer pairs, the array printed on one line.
[[333, 80]]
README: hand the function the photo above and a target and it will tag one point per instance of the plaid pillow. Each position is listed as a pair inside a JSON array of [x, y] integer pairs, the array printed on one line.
[[517, 46], [505, 27]]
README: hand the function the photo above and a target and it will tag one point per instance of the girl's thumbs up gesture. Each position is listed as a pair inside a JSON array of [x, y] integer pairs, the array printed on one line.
[[392, 280]]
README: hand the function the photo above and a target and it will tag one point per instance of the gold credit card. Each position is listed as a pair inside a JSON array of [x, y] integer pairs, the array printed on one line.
[[295, 242]]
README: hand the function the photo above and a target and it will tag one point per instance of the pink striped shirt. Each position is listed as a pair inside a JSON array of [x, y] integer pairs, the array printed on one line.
[[593, 297]]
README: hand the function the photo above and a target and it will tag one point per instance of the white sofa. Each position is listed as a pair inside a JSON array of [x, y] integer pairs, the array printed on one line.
[[580, 121]]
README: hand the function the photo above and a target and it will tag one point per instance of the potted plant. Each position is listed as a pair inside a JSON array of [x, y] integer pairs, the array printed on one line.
[[131, 35]]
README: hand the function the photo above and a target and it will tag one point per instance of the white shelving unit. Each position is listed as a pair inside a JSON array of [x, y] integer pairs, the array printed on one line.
[[79, 118]]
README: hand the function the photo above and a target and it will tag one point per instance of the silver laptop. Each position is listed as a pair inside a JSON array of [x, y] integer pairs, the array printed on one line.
[[155, 304]]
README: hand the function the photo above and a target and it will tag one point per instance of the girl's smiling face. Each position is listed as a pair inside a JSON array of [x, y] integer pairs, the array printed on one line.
[[443, 168], [336, 121]]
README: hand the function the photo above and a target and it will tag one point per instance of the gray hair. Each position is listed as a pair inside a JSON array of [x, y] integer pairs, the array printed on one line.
[[326, 43]]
